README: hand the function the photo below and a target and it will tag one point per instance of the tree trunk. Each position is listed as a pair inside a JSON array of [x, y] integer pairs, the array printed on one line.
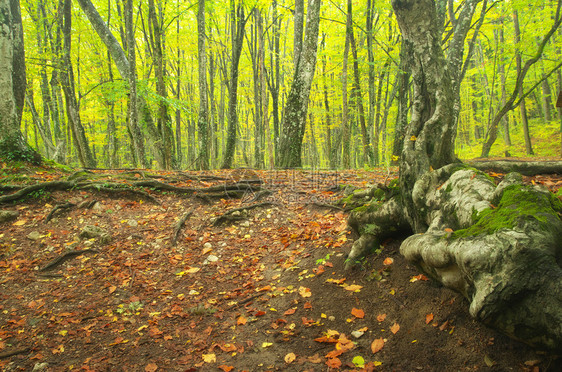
[[67, 81], [345, 124], [12, 84], [238, 28], [496, 245], [203, 158], [511, 104], [365, 138], [522, 107], [294, 117]]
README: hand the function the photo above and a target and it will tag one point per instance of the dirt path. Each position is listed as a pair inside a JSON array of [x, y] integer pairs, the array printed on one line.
[[261, 290]]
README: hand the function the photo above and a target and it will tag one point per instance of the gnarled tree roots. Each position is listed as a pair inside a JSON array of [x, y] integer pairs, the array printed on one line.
[[500, 246]]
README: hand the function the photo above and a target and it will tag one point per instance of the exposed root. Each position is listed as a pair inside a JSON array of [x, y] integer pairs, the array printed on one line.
[[58, 207], [65, 257], [178, 226]]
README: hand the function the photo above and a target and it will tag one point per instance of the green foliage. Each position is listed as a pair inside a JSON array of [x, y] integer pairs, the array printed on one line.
[[11, 150]]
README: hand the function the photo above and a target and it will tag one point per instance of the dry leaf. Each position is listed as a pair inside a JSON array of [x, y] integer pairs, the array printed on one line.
[[305, 292], [377, 345], [381, 317], [209, 358], [394, 328], [226, 368], [428, 318], [358, 313], [333, 363], [241, 320], [290, 312], [388, 261], [290, 358], [353, 288], [150, 367]]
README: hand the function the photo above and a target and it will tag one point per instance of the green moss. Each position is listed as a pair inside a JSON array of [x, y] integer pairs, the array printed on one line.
[[368, 207], [395, 183], [517, 205]]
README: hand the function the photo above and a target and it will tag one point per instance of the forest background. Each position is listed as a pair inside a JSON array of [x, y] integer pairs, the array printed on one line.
[[359, 100]]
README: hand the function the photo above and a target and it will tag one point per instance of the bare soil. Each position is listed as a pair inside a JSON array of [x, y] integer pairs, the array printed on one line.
[[265, 291]]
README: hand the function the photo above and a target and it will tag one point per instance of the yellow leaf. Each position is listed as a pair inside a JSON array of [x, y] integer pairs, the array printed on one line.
[[290, 358], [305, 292], [19, 223], [63, 333], [266, 344], [209, 358], [353, 288], [413, 138], [376, 363]]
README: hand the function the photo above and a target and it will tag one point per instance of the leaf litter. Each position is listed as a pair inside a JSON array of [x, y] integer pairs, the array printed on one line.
[[255, 293]]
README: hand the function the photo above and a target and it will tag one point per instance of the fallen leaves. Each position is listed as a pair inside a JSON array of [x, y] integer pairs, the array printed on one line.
[[428, 318], [305, 292], [358, 313], [377, 345], [209, 358], [394, 328], [290, 358], [353, 287], [381, 318], [241, 320]]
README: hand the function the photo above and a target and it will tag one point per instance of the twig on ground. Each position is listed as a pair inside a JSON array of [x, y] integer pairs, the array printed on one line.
[[65, 257]]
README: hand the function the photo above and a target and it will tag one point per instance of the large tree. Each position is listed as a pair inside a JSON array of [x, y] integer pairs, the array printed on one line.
[[294, 118], [12, 84], [498, 245]]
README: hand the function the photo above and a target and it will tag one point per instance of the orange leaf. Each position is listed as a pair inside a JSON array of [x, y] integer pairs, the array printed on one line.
[[394, 328], [290, 312], [428, 318], [381, 317], [377, 345], [112, 289], [388, 261], [226, 368], [266, 288], [308, 305], [358, 313], [290, 358], [333, 363], [241, 320], [334, 354], [150, 367]]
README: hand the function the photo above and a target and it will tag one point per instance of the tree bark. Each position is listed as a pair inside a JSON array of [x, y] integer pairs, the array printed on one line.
[[238, 29], [67, 81], [345, 124], [203, 158], [294, 117], [12, 84]]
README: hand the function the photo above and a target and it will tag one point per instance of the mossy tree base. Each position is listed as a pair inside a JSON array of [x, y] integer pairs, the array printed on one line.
[[497, 245]]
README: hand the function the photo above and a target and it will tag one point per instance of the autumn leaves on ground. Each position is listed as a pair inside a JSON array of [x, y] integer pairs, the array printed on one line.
[[226, 270]]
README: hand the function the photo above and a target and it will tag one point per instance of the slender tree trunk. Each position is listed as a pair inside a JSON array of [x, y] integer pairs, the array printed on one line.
[[298, 31], [403, 108], [294, 117], [203, 158], [73, 112], [238, 26], [510, 104], [345, 109], [358, 97], [371, 80], [522, 107]]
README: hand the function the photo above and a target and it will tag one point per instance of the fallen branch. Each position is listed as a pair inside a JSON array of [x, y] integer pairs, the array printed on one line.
[[327, 206], [65, 257], [56, 208], [178, 226], [228, 215], [527, 168], [117, 187], [9, 353]]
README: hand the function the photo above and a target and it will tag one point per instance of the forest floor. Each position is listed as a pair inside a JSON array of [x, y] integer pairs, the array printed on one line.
[[261, 289]]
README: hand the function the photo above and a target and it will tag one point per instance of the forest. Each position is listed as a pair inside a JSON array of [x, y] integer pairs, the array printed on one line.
[[280, 185], [212, 81]]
